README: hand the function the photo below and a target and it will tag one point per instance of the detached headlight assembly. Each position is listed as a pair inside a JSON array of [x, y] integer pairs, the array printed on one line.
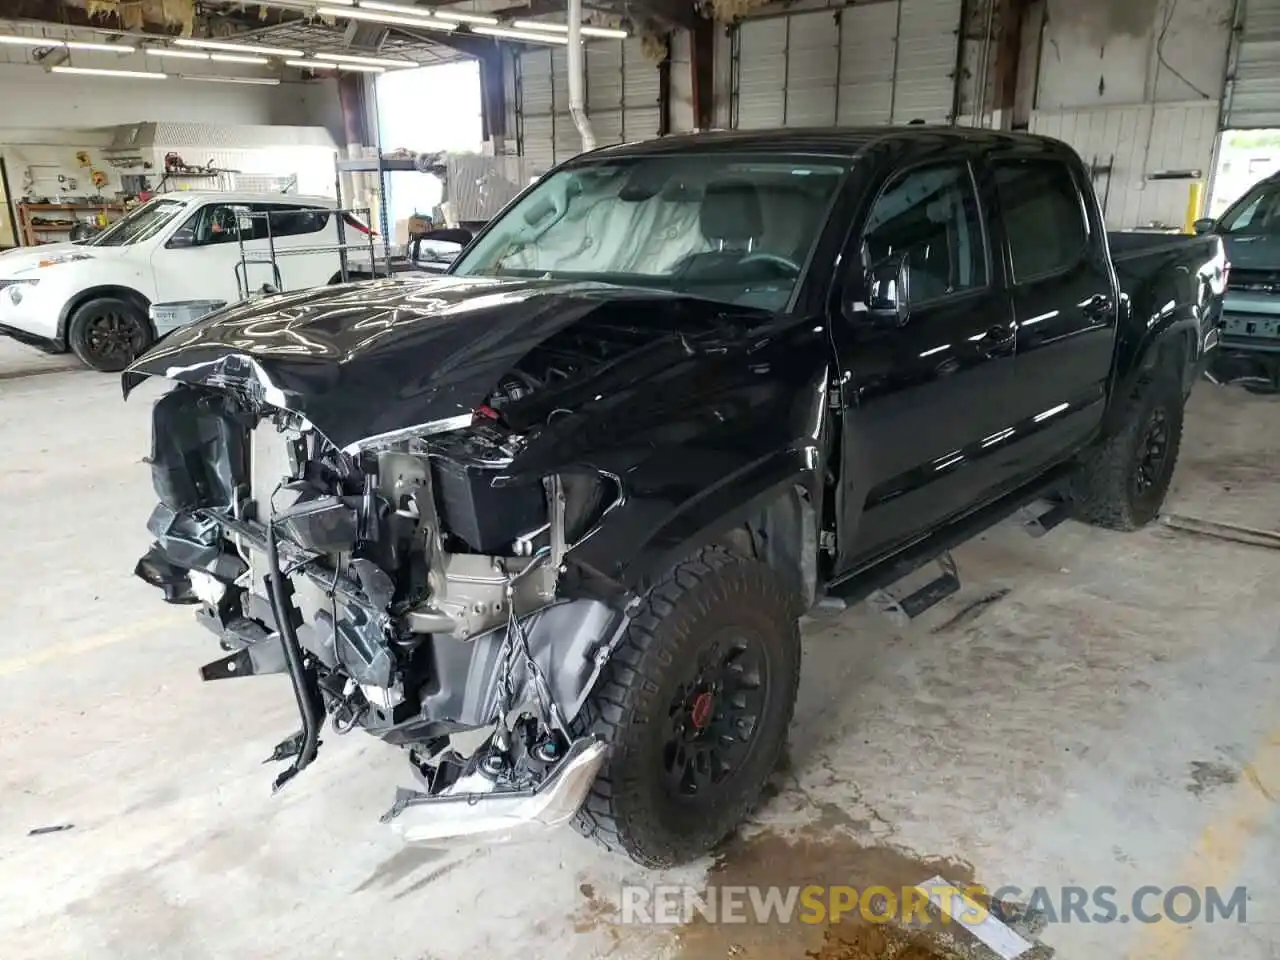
[[18, 289]]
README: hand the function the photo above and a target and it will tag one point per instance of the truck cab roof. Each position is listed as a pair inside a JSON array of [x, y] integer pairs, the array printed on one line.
[[828, 141]]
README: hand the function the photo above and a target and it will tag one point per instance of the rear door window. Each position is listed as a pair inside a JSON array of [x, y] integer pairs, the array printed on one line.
[[290, 220], [1044, 218]]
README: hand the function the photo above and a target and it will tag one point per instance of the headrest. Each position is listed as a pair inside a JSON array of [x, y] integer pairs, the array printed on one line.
[[731, 212]]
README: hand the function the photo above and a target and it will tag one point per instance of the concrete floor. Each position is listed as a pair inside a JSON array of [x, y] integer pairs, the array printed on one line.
[[1111, 719]]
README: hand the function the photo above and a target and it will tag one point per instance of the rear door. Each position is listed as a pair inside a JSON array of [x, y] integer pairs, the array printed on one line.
[[1062, 292], [303, 238], [922, 398]]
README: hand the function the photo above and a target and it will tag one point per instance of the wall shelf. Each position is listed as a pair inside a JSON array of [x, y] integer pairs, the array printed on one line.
[[37, 220]]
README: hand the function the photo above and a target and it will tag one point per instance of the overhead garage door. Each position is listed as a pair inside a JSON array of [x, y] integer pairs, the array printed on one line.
[[864, 64], [621, 91], [1253, 94]]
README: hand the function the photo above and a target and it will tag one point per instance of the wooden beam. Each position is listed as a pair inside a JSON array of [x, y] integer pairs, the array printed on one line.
[[702, 51]]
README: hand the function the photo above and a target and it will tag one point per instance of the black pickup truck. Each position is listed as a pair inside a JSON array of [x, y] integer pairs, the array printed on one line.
[[549, 522]]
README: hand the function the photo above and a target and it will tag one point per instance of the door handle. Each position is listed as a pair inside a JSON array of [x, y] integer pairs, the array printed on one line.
[[996, 337], [1096, 305]]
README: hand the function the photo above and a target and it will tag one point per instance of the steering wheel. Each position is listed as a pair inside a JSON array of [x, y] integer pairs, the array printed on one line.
[[788, 268]]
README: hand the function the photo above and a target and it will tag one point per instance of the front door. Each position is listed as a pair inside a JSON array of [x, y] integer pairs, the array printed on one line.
[[202, 260], [926, 401]]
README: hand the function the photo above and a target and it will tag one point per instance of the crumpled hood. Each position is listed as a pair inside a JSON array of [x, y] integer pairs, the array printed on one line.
[[368, 359]]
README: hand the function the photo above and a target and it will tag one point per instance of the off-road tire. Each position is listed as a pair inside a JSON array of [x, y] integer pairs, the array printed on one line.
[[1105, 490], [125, 316], [629, 808]]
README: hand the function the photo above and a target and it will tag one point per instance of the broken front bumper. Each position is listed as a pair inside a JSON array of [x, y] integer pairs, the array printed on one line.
[[463, 813]]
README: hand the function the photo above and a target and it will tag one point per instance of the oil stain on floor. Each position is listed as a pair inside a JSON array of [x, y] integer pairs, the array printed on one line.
[[824, 854], [836, 849]]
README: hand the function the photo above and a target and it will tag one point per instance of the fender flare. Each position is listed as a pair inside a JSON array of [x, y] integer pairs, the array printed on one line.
[[770, 509]]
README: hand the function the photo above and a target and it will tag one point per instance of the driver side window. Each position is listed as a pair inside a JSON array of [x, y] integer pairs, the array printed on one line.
[[216, 223], [931, 215]]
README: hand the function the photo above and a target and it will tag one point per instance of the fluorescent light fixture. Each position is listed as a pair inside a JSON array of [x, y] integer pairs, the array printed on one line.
[[360, 68], [401, 8], [367, 61], [521, 35], [465, 17], [587, 31], [311, 65], [422, 23], [94, 72], [105, 47], [307, 5], [31, 41], [238, 47], [181, 54], [257, 81], [235, 58], [406, 10], [16, 41]]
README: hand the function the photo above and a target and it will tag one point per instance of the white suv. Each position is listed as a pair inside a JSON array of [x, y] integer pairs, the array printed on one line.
[[93, 298]]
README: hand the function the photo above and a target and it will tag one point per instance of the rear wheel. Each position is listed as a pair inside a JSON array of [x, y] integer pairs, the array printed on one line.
[[108, 333], [1124, 484], [695, 705]]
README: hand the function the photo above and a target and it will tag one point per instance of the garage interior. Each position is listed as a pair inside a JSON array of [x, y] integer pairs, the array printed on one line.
[[1090, 709]]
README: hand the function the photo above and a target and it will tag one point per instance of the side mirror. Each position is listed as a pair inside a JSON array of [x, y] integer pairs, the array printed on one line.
[[183, 238], [1203, 225], [889, 291]]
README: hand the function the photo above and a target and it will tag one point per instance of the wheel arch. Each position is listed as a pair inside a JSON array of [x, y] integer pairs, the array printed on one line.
[[96, 292], [1173, 349]]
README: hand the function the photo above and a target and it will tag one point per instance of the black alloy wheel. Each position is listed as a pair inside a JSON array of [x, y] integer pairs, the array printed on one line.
[[108, 333], [694, 705], [713, 717]]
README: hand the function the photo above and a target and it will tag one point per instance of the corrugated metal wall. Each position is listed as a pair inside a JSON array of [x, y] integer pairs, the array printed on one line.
[[878, 63], [622, 99], [1253, 96], [1141, 139]]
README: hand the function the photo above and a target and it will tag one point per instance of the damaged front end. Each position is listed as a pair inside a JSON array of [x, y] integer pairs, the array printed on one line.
[[410, 586], [432, 505]]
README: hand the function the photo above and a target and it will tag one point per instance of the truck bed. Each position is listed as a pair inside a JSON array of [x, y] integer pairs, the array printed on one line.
[[1131, 244]]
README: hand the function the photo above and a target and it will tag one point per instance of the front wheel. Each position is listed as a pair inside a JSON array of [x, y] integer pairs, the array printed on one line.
[[695, 706], [108, 333], [1124, 483]]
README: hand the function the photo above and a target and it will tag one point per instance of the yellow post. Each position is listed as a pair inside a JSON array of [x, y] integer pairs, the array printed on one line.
[[1195, 204]]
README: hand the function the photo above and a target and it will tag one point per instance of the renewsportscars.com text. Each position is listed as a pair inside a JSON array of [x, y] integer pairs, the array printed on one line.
[[814, 904]]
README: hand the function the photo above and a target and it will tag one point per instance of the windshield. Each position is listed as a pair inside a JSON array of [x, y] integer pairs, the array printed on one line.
[[141, 224], [730, 229], [1257, 212]]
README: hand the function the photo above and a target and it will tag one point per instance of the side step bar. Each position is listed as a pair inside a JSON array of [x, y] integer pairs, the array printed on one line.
[[925, 598], [871, 580]]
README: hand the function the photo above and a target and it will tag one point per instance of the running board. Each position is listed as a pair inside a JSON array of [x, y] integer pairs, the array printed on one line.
[[860, 584], [905, 609], [1039, 523]]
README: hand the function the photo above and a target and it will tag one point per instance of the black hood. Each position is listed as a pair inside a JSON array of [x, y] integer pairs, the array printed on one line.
[[367, 359]]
